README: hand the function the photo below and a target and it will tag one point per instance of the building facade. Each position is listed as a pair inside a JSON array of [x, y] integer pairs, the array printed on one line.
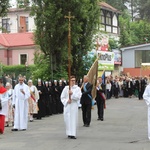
[[18, 22], [109, 17], [133, 57], [17, 49]]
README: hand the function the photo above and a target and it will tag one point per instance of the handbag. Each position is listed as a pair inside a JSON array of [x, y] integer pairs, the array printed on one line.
[[0, 104]]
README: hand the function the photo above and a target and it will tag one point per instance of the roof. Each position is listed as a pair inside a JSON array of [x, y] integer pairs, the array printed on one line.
[[135, 46], [12, 10], [108, 7], [16, 39]]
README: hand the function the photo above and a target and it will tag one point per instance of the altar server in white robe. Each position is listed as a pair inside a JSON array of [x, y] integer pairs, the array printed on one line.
[[71, 107], [146, 97], [20, 102]]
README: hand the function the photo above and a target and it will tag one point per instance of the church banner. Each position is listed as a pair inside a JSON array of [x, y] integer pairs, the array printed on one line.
[[92, 74], [105, 60]]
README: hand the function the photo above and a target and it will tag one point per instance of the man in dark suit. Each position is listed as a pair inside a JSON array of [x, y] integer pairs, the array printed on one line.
[[129, 87], [86, 101], [140, 84], [100, 99]]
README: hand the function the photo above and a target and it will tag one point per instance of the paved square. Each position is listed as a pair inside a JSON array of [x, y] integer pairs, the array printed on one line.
[[124, 128]]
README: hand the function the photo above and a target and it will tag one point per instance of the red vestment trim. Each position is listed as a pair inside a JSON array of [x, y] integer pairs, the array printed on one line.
[[33, 98], [104, 98], [2, 90]]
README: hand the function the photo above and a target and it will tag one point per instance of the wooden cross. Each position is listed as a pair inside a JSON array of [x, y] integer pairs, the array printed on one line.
[[69, 17]]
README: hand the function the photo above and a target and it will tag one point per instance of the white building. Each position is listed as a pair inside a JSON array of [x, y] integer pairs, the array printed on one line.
[[17, 20]]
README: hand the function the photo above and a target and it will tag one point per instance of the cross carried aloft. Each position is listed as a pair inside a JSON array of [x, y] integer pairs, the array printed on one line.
[[69, 17]]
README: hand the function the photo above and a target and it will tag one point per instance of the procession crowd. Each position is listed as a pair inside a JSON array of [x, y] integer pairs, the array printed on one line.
[[25, 101]]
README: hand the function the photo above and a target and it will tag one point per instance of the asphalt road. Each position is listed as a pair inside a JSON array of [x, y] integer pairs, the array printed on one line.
[[124, 128]]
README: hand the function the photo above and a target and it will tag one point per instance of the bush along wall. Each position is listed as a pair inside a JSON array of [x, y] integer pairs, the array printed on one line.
[[15, 71]]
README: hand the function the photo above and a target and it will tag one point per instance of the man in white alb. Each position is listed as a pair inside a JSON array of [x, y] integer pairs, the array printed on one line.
[[20, 103]]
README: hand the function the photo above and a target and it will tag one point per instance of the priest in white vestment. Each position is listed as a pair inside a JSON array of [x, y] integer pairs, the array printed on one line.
[[20, 102], [33, 108], [9, 116], [146, 97], [71, 107]]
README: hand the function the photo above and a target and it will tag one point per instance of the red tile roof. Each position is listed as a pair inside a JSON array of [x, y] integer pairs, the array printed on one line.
[[16, 39], [108, 7]]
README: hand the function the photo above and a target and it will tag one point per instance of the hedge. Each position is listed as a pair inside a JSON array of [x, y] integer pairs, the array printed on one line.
[[17, 70]]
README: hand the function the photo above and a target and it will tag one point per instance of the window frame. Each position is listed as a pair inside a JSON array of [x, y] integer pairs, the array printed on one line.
[[5, 25], [20, 58]]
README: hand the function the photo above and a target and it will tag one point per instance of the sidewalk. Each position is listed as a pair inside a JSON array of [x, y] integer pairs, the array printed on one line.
[[124, 128]]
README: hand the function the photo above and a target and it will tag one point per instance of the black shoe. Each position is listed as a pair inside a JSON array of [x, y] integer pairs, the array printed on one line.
[[69, 136], [14, 129], [7, 125], [73, 137], [101, 119], [23, 130], [98, 119], [87, 125]]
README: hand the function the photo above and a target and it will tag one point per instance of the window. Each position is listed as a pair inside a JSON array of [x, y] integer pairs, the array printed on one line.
[[145, 56], [23, 59], [24, 24], [102, 17], [5, 25], [141, 57], [108, 19], [115, 20]]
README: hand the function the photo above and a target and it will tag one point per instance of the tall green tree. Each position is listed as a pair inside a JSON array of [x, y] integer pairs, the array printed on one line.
[[23, 3], [4, 5], [52, 32], [143, 8], [118, 4], [125, 32], [133, 33], [132, 6]]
